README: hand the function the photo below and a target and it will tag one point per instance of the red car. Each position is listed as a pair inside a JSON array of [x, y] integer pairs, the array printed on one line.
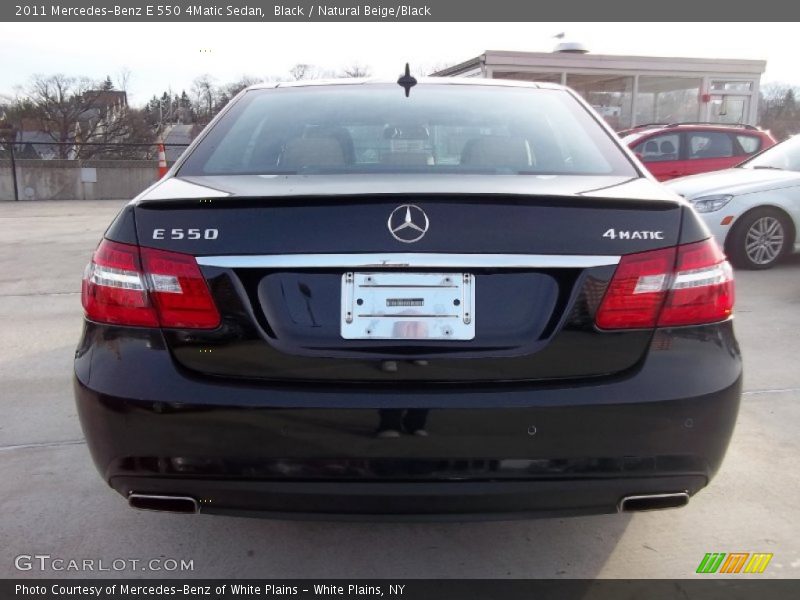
[[680, 149]]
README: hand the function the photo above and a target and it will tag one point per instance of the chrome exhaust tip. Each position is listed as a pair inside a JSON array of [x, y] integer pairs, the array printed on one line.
[[173, 504], [646, 502]]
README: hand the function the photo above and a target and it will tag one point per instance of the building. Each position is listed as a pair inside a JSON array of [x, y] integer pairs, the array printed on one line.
[[634, 90], [106, 99]]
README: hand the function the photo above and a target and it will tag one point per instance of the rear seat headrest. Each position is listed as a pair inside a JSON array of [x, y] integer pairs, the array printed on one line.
[[496, 151], [312, 151]]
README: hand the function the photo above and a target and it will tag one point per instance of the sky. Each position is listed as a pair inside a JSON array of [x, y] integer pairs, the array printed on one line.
[[162, 56]]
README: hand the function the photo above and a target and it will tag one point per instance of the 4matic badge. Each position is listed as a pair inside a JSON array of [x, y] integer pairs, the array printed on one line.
[[628, 234]]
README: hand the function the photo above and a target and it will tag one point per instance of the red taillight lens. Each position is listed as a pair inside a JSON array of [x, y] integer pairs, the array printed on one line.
[[114, 289], [637, 290], [179, 290], [687, 285], [702, 289], [168, 290]]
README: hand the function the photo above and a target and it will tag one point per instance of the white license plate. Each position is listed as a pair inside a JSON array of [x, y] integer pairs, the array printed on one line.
[[408, 306]]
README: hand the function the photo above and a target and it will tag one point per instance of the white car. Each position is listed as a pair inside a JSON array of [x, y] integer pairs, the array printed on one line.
[[753, 209]]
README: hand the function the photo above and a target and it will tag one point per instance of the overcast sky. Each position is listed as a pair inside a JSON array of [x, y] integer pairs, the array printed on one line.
[[164, 55]]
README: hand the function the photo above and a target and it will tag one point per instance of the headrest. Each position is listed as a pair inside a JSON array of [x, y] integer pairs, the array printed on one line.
[[495, 151], [312, 152]]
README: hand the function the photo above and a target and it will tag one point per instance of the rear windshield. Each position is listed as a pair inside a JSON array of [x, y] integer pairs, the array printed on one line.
[[785, 156], [439, 128]]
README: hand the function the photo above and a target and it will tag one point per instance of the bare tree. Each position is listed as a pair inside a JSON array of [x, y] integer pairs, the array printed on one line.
[[123, 79], [205, 91], [778, 109], [356, 70], [243, 82], [72, 109], [302, 71], [429, 68]]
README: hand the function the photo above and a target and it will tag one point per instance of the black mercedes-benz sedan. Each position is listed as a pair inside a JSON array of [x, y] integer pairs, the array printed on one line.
[[440, 298]]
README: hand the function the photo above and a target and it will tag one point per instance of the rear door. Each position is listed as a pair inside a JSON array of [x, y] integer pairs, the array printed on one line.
[[709, 151]]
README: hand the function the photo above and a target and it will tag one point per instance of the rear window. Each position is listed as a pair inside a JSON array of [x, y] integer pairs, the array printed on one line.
[[439, 128], [750, 143], [785, 155]]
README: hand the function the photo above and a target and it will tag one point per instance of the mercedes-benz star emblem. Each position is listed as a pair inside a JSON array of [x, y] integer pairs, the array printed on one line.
[[408, 223]]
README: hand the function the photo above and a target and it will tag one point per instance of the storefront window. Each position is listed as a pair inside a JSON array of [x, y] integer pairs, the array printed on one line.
[[667, 99], [729, 109], [609, 95], [732, 86]]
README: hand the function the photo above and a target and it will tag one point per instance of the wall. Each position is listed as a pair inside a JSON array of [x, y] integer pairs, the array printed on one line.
[[72, 179]]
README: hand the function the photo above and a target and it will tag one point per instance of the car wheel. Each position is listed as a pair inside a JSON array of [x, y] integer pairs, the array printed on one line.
[[759, 239]]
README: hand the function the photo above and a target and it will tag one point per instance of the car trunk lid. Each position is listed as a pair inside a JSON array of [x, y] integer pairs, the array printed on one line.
[[537, 266]]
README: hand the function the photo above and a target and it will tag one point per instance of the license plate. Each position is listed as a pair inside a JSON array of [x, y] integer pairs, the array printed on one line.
[[408, 306]]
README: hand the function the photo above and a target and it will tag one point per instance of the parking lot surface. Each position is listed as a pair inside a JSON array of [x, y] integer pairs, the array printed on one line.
[[52, 501]]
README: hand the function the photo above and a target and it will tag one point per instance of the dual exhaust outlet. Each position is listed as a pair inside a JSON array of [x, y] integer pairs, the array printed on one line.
[[188, 505]]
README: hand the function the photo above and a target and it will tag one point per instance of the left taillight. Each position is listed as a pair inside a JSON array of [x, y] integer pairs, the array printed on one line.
[[114, 287], [128, 285]]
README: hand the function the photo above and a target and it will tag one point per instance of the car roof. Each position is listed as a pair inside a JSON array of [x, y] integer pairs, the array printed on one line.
[[653, 127], [420, 80]]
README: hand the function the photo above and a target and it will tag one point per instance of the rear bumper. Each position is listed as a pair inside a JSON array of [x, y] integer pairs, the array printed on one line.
[[466, 500], [489, 450]]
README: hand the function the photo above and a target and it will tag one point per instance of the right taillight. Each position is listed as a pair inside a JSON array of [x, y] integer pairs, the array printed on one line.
[[702, 288], [128, 285], [688, 285]]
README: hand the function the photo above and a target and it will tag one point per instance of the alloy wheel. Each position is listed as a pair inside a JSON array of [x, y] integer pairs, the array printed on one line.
[[764, 240]]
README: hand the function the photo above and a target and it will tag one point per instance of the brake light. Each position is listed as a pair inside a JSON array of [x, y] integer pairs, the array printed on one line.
[[702, 289], [688, 285], [636, 291], [179, 290], [128, 285], [114, 288]]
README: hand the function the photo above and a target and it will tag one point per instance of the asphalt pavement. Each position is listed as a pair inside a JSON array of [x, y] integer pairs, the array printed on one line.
[[53, 502]]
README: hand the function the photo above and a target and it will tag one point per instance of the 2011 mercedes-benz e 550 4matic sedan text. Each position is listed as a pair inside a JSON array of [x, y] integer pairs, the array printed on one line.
[[444, 298]]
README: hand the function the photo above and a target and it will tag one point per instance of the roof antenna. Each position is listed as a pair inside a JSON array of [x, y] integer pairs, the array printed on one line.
[[407, 81]]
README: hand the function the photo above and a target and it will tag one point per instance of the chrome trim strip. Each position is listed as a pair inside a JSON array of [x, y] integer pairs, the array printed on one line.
[[408, 260]]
